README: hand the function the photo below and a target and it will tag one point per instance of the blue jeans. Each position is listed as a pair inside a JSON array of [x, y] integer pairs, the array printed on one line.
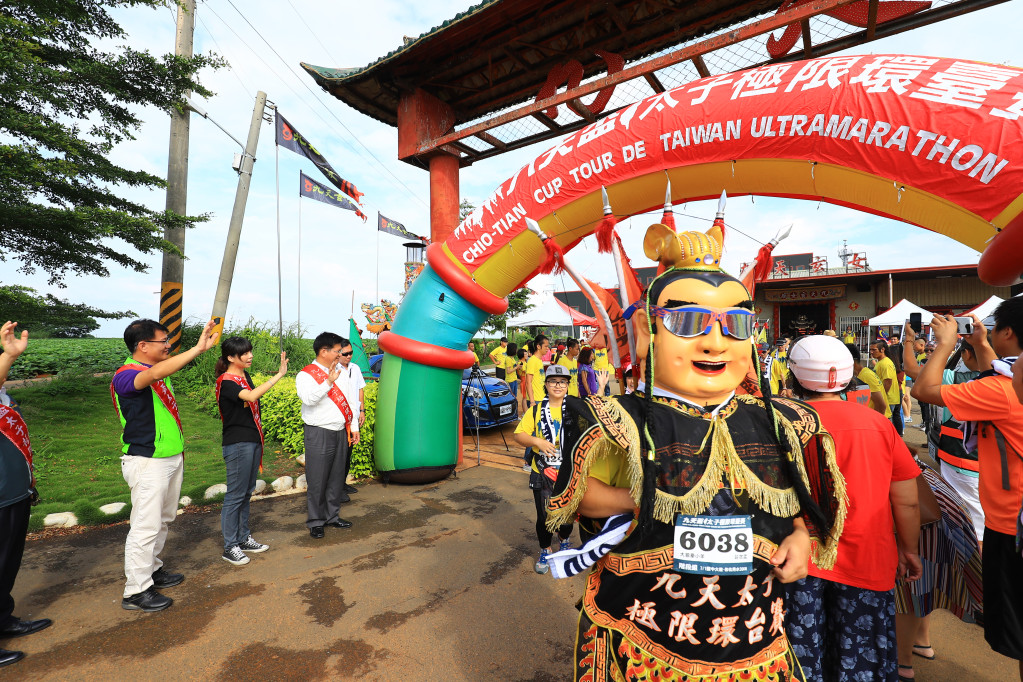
[[897, 418], [242, 462], [514, 386]]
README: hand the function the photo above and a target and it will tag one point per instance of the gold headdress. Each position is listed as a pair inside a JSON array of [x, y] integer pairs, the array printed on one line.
[[688, 250]]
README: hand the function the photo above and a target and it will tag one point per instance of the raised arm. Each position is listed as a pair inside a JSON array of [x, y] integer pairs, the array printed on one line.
[[13, 347], [164, 368], [927, 387], [256, 393]]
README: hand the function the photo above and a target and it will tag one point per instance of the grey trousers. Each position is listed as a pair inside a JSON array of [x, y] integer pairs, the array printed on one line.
[[326, 467]]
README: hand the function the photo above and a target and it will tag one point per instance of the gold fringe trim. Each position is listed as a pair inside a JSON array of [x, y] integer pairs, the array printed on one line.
[[606, 446], [725, 461]]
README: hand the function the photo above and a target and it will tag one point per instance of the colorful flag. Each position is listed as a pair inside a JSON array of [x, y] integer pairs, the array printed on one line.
[[618, 334], [358, 350], [289, 138], [307, 187], [385, 224]]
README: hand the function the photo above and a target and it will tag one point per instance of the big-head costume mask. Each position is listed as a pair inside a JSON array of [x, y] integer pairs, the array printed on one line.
[[695, 323]]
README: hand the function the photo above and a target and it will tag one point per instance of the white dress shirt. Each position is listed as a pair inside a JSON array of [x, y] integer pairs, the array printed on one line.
[[320, 410]]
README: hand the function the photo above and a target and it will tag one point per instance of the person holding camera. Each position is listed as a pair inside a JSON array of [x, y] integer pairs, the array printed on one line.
[[994, 419], [17, 495]]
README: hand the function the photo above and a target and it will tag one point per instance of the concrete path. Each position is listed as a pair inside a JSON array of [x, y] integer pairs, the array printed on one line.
[[432, 583]]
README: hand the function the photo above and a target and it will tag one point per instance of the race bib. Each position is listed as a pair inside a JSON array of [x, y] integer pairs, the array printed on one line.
[[714, 545]]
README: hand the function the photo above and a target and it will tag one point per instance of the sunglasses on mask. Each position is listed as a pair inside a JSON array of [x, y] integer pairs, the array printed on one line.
[[693, 320]]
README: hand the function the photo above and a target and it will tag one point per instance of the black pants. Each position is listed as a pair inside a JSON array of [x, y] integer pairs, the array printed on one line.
[[327, 461], [543, 535], [13, 528], [499, 373]]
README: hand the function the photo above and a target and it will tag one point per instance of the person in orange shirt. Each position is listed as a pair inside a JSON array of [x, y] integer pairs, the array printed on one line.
[[991, 403]]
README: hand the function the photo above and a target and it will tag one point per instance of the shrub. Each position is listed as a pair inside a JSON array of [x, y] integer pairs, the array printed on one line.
[[282, 421]]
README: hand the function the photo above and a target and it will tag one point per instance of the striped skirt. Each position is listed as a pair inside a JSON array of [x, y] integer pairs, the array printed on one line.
[[951, 560]]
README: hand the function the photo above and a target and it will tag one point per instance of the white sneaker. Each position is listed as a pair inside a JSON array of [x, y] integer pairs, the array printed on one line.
[[235, 556], [250, 545]]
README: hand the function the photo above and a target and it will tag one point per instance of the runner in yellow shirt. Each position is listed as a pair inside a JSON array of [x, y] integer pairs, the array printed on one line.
[[534, 382], [569, 360]]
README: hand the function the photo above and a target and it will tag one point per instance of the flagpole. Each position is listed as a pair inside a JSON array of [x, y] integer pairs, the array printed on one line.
[[623, 296], [300, 264], [280, 288], [377, 299]]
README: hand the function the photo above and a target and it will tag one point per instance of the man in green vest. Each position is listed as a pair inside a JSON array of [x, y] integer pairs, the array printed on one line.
[[153, 460]]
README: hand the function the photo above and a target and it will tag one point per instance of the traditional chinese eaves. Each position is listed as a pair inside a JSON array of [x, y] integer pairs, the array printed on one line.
[[498, 53]]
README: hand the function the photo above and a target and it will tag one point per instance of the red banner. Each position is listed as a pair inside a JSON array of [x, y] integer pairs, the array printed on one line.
[[930, 141]]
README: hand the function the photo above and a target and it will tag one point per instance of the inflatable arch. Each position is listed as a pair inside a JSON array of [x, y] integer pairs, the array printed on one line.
[[934, 142]]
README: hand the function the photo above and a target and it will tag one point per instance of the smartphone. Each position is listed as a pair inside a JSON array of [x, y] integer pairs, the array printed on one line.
[[965, 325], [916, 322]]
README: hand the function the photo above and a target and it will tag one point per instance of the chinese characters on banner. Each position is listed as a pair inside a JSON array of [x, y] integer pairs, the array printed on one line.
[[805, 294], [919, 120], [307, 187]]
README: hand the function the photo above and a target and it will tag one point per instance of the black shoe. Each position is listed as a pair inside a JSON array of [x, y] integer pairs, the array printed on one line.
[[344, 499], [20, 628], [340, 523], [162, 578], [351, 489], [148, 601], [9, 657], [316, 532]]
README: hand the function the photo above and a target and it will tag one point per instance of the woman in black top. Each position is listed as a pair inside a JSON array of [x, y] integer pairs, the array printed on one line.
[[242, 443]]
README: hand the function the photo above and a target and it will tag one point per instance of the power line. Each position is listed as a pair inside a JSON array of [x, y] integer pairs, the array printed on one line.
[[222, 51], [312, 33], [328, 109]]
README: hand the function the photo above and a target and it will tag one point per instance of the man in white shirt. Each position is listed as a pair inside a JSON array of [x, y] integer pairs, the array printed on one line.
[[358, 387], [330, 404]]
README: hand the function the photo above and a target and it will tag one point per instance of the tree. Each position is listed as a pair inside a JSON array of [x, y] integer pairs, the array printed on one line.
[[518, 300], [51, 316], [518, 304], [64, 104]]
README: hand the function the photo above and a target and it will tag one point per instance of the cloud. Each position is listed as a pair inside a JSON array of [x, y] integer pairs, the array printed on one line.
[[339, 252]]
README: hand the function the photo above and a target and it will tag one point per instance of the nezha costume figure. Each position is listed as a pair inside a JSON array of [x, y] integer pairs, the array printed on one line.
[[730, 493]]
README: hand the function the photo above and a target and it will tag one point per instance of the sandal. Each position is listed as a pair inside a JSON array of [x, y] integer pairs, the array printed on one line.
[[923, 647], [903, 678]]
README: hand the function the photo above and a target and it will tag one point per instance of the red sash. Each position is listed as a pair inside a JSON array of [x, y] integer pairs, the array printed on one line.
[[334, 393], [253, 406], [13, 427], [163, 392]]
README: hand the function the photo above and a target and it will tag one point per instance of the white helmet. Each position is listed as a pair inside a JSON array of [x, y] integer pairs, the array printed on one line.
[[821, 363]]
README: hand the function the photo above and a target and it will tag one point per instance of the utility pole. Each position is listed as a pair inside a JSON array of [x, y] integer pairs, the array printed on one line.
[[172, 280], [234, 231]]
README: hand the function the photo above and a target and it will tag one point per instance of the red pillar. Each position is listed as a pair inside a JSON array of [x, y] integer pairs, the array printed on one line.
[[443, 196], [423, 118]]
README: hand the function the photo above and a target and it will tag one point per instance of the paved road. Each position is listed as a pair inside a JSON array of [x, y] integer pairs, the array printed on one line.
[[432, 583]]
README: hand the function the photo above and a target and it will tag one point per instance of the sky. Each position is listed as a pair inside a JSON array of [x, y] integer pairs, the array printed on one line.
[[343, 259]]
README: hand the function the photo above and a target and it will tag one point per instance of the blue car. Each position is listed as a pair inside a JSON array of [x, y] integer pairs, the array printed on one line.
[[475, 409], [476, 412]]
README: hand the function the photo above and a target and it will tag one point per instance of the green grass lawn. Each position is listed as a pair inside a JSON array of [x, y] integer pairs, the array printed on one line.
[[76, 438]]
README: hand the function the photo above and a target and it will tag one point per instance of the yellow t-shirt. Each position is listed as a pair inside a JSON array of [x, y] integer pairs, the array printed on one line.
[[510, 365], [573, 367], [528, 425], [534, 366], [498, 355], [600, 363], [885, 369], [874, 385], [779, 374], [849, 338]]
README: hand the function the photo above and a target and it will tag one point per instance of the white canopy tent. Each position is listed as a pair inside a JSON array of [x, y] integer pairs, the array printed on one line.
[[545, 313], [985, 309], [897, 315]]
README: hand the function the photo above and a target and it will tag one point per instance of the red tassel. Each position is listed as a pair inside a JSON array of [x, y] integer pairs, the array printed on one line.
[[605, 233], [553, 263], [668, 219]]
